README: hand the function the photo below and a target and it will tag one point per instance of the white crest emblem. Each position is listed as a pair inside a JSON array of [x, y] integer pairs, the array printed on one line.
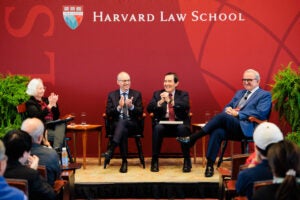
[[73, 16]]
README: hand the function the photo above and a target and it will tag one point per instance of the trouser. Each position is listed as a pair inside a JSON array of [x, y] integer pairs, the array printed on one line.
[[160, 131], [57, 135], [123, 127]]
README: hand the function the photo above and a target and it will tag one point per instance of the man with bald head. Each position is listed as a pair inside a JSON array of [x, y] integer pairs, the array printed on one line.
[[124, 106], [47, 156]]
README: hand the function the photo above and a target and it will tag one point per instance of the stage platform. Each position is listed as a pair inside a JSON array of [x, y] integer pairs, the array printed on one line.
[[169, 183]]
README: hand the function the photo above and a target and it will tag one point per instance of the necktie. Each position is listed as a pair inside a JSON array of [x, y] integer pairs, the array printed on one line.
[[243, 100], [171, 109], [125, 109]]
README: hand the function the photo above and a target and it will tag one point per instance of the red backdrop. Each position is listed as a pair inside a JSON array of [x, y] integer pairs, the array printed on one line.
[[208, 53]]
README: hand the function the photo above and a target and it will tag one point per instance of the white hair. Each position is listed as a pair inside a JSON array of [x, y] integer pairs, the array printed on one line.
[[32, 86]]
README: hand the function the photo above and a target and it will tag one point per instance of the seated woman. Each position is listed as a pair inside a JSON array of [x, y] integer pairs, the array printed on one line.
[[284, 160], [46, 109]]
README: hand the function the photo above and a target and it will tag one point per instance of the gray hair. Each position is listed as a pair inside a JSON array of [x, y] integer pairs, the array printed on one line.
[[256, 73], [2, 150], [34, 127], [32, 86]]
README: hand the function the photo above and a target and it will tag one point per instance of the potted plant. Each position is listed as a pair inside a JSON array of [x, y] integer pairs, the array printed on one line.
[[12, 93], [286, 97]]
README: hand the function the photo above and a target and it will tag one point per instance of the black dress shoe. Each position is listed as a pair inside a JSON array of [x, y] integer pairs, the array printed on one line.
[[123, 168], [108, 156], [154, 165], [209, 171], [187, 165]]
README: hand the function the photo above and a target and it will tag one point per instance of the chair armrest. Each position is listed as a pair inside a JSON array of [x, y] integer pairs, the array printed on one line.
[[59, 186], [254, 119]]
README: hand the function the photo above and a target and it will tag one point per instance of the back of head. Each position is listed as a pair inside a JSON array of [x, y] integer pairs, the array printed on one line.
[[284, 159], [34, 127], [265, 134], [16, 143]]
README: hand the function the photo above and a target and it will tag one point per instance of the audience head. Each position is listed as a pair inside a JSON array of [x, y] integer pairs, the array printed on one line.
[[18, 144], [251, 79], [266, 134], [284, 159], [36, 88], [171, 81], [35, 128], [3, 158], [123, 80]]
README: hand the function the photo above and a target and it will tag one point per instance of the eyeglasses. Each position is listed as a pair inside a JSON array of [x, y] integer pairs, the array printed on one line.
[[124, 81], [247, 79]]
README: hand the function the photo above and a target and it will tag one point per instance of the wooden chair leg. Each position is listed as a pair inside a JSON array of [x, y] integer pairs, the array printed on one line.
[[223, 149], [140, 151]]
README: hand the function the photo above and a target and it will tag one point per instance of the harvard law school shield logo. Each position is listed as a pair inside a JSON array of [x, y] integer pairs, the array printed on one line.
[[73, 16]]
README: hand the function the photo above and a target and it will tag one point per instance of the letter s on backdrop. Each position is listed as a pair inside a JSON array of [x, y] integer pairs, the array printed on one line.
[[28, 24]]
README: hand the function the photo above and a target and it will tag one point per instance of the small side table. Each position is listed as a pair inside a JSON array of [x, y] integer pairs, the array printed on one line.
[[84, 130], [196, 127]]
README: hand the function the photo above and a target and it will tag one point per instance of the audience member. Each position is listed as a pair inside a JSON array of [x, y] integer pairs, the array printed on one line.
[[173, 105], [124, 106], [233, 123], [46, 109], [284, 159], [23, 166], [264, 136], [7, 192], [47, 156]]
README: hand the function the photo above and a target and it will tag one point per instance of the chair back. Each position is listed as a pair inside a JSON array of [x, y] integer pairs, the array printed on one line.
[[21, 109], [259, 184], [21, 184], [42, 171], [237, 161]]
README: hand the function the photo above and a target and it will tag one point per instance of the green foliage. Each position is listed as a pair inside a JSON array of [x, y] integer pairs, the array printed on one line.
[[286, 96], [294, 137], [12, 93]]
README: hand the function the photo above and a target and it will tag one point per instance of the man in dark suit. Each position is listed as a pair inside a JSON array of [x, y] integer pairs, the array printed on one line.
[[233, 122], [124, 106], [173, 105], [22, 165]]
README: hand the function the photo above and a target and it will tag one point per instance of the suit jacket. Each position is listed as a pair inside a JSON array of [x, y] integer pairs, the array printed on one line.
[[8, 192], [39, 189], [258, 105], [33, 109], [50, 159], [247, 177], [181, 107], [113, 102]]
